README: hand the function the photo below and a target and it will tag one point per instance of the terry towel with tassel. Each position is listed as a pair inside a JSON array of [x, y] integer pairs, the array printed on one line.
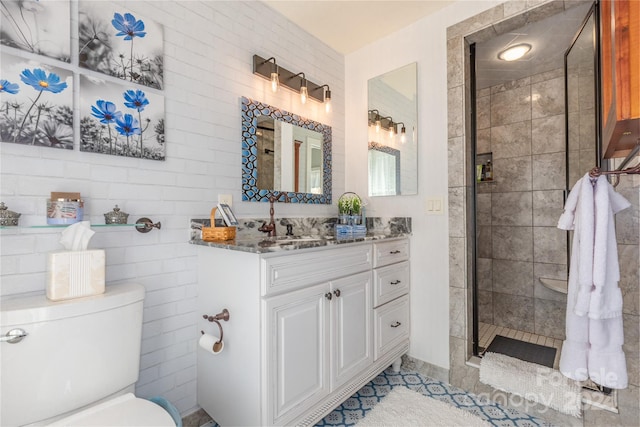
[[594, 335]]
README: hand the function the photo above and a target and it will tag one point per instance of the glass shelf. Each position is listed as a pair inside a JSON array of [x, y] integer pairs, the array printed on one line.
[[142, 225]]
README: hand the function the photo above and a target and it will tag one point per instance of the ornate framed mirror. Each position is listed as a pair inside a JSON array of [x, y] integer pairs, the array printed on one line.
[[284, 153]]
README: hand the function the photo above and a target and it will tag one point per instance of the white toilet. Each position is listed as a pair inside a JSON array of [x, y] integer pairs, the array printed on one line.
[[78, 363]]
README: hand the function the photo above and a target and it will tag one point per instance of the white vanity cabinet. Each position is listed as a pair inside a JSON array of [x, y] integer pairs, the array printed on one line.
[[302, 334]]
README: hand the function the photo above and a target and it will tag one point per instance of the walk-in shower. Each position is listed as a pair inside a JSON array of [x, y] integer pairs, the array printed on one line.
[[521, 116]]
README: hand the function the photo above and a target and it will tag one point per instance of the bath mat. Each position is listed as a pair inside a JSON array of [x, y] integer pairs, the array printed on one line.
[[405, 407], [529, 352], [532, 381]]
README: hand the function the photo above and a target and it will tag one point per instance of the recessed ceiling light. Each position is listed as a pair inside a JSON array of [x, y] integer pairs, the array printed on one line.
[[514, 52]]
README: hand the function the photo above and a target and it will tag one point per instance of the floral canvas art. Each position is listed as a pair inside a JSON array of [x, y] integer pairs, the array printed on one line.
[[37, 26], [116, 42], [121, 120], [36, 103]]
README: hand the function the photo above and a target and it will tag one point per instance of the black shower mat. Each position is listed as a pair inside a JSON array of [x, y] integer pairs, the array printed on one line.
[[529, 352]]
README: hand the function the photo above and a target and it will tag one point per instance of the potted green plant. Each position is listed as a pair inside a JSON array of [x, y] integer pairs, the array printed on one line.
[[349, 208]]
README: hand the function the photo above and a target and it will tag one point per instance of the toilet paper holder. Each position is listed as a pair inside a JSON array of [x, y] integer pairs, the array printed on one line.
[[224, 315]]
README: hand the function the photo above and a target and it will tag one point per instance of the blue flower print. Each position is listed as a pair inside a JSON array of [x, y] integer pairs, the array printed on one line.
[[7, 86], [128, 26], [127, 126], [105, 111], [135, 100], [39, 80]]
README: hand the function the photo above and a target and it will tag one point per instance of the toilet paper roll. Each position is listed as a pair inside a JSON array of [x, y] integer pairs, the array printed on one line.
[[208, 343]]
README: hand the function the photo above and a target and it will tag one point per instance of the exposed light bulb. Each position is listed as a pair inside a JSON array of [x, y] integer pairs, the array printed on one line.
[[378, 125], [403, 134], [304, 93], [391, 130], [327, 101], [275, 82]]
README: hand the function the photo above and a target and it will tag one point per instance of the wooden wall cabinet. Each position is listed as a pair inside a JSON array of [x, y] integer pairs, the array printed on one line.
[[620, 76]]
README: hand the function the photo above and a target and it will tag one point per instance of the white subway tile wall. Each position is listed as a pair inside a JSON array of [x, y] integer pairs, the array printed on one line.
[[209, 46]]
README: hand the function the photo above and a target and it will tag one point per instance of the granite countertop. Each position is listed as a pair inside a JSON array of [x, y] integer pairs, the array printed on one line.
[[308, 233]]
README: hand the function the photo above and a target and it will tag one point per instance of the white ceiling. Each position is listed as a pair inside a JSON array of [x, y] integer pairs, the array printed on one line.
[[348, 25], [549, 38]]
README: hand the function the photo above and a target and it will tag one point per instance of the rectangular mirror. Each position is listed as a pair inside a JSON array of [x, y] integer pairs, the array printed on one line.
[[393, 118], [284, 153]]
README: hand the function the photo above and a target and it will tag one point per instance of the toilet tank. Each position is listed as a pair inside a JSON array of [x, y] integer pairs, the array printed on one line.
[[77, 352]]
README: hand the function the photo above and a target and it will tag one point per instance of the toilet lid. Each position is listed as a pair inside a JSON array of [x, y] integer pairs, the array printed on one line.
[[125, 410]]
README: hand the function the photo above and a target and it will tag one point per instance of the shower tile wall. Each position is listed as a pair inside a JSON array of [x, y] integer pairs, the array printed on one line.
[[521, 123]]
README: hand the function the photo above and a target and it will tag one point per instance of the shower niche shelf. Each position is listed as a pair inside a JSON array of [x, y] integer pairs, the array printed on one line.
[[482, 160]]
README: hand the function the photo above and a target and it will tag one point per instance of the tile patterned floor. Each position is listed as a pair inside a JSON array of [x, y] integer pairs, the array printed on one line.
[[487, 332], [357, 406]]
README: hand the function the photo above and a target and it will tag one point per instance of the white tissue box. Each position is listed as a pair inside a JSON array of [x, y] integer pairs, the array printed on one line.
[[75, 274]]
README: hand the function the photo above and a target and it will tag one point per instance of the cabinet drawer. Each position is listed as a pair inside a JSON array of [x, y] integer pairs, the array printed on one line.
[[288, 272], [391, 325], [386, 253], [390, 282]]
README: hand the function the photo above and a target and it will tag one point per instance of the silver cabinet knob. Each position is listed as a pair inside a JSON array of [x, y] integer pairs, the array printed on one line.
[[14, 336]]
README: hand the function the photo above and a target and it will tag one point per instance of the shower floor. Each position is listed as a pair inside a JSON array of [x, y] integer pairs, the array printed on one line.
[[487, 333]]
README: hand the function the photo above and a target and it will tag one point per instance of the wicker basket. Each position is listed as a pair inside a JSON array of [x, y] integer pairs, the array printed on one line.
[[217, 234]]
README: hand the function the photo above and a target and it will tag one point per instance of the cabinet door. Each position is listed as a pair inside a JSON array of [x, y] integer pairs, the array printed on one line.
[[296, 352], [352, 318], [620, 80]]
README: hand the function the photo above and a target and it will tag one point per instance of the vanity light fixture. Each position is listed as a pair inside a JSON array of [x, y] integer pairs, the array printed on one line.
[[266, 68], [374, 118], [392, 127], [304, 91], [275, 81], [403, 132], [327, 98], [387, 123], [514, 52]]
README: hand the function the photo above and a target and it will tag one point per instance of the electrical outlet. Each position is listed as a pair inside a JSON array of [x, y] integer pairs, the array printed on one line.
[[226, 199]]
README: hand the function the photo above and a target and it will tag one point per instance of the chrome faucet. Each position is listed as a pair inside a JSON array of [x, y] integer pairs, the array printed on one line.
[[270, 228]]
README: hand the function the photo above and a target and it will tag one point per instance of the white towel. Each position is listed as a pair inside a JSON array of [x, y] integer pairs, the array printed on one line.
[[575, 349], [606, 298], [594, 335]]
